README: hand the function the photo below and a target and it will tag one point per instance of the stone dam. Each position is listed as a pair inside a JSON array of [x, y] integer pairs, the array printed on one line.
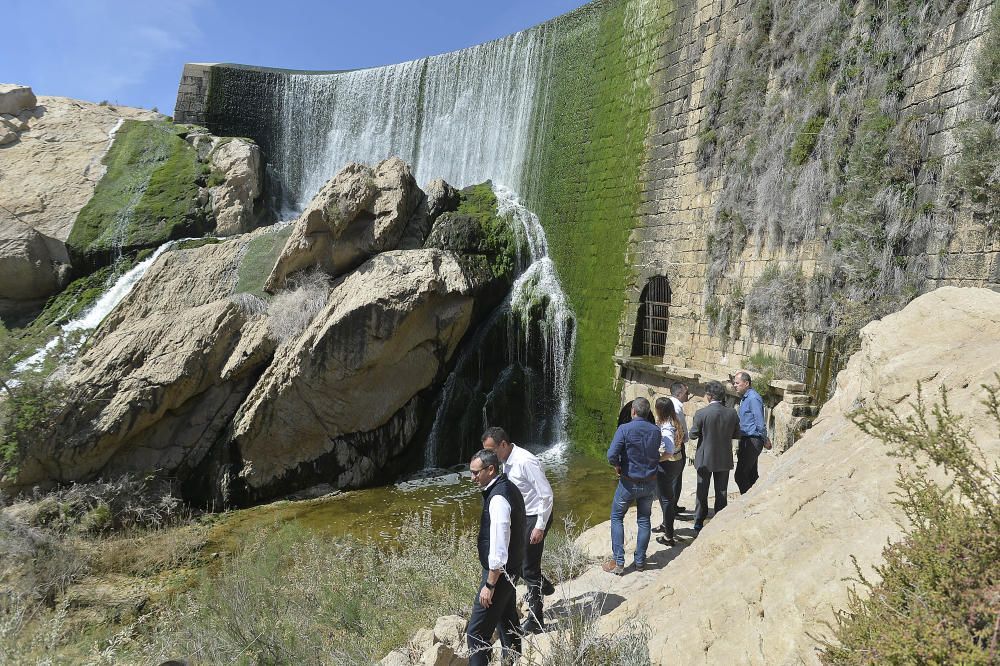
[[723, 183]]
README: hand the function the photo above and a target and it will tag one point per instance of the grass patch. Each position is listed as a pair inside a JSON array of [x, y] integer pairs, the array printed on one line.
[[290, 597], [259, 259], [147, 196]]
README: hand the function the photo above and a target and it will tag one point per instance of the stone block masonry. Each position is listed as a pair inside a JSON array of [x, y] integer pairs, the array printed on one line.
[[724, 144]]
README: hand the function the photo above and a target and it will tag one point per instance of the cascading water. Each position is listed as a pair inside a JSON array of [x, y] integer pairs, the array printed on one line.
[[89, 320], [468, 117], [537, 330], [465, 116]]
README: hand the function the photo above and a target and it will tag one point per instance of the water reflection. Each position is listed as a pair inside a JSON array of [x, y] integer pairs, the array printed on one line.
[[582, 486]]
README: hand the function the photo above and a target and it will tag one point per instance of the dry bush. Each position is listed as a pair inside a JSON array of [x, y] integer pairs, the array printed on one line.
[[577, 640], [291, 310], [126, 503], [563, 559], [291, 597]]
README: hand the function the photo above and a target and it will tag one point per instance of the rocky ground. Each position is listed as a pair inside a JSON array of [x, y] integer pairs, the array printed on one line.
[[762, 583]]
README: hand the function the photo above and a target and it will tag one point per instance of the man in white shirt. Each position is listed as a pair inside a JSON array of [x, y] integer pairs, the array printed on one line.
[[525, 471], [501, 549]]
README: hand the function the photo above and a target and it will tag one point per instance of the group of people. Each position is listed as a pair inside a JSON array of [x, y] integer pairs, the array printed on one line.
[[648, 453]]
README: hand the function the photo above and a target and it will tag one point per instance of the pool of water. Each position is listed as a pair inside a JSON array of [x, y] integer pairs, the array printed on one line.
[[583, 486]]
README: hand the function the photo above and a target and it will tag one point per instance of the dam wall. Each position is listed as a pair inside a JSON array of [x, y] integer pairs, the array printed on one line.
[[724, 184]]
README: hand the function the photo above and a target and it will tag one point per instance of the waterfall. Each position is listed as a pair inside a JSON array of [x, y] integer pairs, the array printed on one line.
[[538, 329], [93, 316], [464, 116], [538, 287]]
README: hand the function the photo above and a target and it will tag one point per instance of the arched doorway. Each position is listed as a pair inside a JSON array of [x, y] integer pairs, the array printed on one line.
[[652, 319]]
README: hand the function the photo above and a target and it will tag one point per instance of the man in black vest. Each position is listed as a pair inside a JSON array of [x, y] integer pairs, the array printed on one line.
[[501, 550]]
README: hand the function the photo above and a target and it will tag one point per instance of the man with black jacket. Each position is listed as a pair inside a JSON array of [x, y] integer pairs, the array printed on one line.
[[501, 551]]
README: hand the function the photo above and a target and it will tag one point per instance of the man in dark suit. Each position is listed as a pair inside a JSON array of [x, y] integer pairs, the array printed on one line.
[[715, 427], [501, 551]]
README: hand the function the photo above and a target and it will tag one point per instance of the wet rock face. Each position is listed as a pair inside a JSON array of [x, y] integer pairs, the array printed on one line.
[[185, 378]]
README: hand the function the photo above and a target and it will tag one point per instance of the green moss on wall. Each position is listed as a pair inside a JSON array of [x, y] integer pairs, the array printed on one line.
[[147, 196], [587, 191]]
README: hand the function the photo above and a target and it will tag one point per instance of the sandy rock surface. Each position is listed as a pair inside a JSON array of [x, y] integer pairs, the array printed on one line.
[[50, 172], [761, 583]]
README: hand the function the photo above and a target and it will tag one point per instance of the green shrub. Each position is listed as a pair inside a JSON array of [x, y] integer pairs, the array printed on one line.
[[938, 597], [805, 140]]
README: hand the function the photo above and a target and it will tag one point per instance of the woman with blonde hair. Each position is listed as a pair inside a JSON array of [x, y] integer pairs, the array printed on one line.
[[671, 464]]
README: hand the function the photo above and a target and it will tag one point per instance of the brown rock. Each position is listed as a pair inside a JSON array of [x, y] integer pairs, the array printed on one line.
[[233, 201], [14, 98], [357, 214], [383, 337], [32, 265]]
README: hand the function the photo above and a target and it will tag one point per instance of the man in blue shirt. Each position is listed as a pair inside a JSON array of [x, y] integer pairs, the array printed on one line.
[[753, 432], [635, 454]]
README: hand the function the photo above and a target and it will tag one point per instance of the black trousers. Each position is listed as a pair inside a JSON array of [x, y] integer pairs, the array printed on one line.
[[680, 477], [531, 569], [501, 614], [721, 482], [746, 462], [668, 475]]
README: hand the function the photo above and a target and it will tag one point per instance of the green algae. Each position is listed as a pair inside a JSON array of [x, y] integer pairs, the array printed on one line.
[[588, 188], [255, 267], [148, 195]]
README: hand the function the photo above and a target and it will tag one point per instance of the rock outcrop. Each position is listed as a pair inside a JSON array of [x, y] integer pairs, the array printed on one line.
[[32, 265], [237, 162], [186, 378], [162, 376], [385, 335], [762, 582], [16, 98], [359, 213]]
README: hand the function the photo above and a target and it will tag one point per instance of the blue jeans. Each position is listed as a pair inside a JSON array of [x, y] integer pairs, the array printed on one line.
[[642, 493]]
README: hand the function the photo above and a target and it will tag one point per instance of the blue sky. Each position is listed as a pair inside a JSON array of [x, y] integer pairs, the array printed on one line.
[[132, 51]]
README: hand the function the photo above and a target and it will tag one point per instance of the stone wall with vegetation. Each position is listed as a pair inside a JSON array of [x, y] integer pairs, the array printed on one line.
[[795, 168], [813, 166]]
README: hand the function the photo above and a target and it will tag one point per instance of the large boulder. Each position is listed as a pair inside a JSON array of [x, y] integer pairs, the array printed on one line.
[[385, 335], [359, 213], [763, 581], [32, 265], [162, 376], [50, 174], [238, 163], [16, 98]]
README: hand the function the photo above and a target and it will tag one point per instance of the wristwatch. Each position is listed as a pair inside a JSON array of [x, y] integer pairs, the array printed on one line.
[[489, 586]]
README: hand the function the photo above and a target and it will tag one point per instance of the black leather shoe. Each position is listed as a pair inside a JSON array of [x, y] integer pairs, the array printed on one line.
[[658, 529], [666, 541], [680, 509], [532, 626], [548, 589]]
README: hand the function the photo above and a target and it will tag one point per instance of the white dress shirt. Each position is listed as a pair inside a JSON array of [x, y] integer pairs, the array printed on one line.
[[499, 529], [679, 408], [525, 471]]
